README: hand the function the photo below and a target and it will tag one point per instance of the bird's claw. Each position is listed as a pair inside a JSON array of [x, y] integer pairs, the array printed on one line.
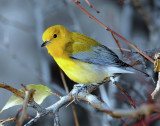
[[78, 90]]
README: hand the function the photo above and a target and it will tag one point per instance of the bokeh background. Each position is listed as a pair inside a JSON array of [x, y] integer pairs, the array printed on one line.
[[23, 61]]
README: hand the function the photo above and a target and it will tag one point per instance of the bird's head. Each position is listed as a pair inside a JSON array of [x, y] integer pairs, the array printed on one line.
[[55, 34]]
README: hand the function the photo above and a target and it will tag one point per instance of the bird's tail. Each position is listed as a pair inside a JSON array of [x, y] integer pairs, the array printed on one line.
[[130, 68]]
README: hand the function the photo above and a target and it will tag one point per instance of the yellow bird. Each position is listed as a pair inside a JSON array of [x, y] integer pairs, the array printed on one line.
[[83, 59]]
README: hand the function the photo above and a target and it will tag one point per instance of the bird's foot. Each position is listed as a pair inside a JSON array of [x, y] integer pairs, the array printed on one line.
[[80, 87]]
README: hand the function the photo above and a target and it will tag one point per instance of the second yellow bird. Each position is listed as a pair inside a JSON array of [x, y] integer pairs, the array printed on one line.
[[83, 59]]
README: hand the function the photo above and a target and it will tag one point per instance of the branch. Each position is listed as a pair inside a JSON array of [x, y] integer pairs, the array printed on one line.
[[67, 91], [13, 90], [91, 6], [68, 99], [7, 120], [85, 95], [28, 96], [113, 32]]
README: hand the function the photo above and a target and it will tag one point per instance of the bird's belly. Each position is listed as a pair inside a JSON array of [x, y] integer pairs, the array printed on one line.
[[81, 72]]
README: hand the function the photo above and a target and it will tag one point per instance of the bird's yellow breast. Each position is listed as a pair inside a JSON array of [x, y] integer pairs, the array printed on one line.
[[80, 72]]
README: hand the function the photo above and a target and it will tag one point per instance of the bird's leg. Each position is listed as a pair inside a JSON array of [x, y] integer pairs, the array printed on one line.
[[79, 89]]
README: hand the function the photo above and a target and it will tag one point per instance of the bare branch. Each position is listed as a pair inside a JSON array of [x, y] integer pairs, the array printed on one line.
[[85, 95], [67, 90], [112, 31], [91, 6], [7, 120], [28, 96], [13, 90]]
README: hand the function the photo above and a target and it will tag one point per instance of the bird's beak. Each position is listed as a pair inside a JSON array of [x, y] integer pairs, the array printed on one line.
[[45, 43]]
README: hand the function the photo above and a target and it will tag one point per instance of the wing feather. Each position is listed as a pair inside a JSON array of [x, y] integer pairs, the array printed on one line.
[[99, 55], [93, 54]]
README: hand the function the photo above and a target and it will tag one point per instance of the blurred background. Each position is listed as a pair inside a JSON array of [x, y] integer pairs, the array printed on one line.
[[23, 61]]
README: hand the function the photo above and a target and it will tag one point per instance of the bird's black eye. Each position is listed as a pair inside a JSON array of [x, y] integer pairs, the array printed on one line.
[[55, 36]]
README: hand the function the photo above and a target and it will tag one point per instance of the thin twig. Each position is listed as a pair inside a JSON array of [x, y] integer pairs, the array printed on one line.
[[28, 96], [13, 90], [67, 90], [7, 120], [55, 94], [64, 81], [130, 99], [113, 32], [91, 6], [125, 40], [117, 43]]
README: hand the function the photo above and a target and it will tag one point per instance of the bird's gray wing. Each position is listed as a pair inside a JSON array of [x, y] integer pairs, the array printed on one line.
[[100, 55]]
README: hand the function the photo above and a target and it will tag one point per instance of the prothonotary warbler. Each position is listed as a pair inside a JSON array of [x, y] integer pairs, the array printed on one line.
[[83, 59]]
